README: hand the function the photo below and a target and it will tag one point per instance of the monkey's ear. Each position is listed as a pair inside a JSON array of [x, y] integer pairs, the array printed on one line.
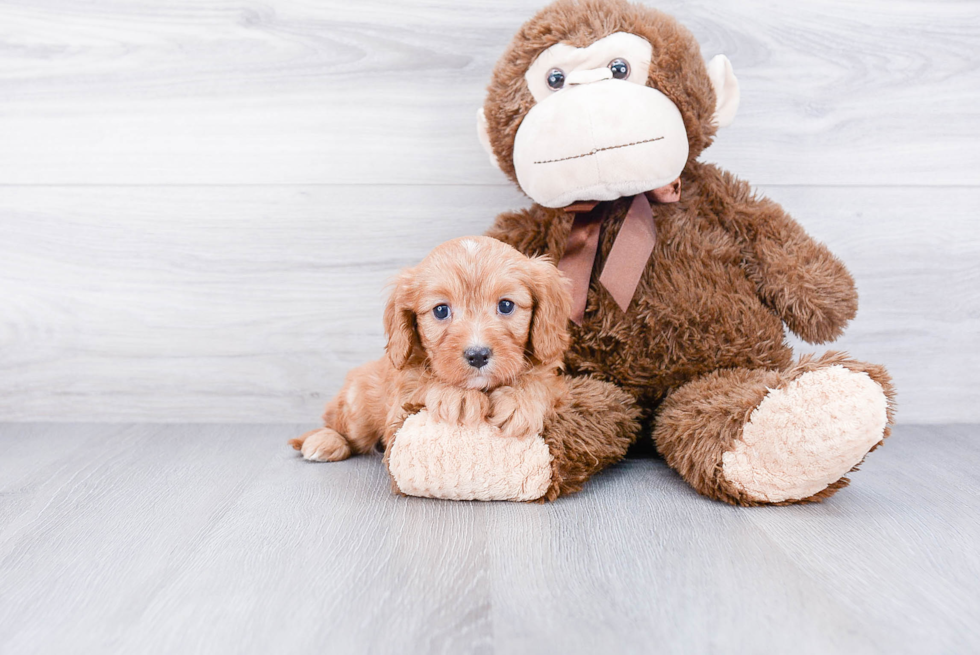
[[484, 136], [726, 90]]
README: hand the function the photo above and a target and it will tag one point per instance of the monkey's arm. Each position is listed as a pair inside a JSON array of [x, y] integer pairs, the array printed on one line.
[[795, 275]]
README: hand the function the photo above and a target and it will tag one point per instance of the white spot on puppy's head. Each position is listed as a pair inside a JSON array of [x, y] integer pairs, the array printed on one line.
[[470, 245]]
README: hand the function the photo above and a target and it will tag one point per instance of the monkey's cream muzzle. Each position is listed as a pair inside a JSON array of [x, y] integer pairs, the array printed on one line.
[[600, 135], [589, 76], [599, 139]]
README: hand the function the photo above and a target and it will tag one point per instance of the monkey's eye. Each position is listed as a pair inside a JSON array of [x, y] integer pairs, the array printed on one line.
[[505, 307], [620, 68], [442, 312], [556, 79]]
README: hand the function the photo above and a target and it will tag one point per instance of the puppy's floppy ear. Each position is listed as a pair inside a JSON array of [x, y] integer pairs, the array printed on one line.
[[552, 307], [399, 321]]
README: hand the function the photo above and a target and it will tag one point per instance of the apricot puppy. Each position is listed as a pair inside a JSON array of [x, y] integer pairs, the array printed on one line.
[[476, 331]]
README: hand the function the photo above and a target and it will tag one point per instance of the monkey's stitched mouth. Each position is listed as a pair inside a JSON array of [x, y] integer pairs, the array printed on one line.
[[596, 150]]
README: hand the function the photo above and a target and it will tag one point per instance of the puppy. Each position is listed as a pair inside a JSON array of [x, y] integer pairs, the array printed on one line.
[[476, 331]]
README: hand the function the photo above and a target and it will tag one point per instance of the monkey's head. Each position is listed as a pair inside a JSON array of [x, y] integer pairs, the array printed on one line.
[[600, 99]]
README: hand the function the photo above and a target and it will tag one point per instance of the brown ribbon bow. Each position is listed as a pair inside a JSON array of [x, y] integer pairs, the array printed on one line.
[[630, 251]]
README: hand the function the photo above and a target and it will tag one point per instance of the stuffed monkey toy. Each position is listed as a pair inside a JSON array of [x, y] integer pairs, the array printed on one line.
[[683, 282], [683, 278]]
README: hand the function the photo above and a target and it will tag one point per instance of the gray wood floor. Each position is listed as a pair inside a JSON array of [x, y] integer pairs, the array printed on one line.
[[217, 539]]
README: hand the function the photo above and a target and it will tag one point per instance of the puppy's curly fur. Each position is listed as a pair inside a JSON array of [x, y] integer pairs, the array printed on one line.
[[490, 298]]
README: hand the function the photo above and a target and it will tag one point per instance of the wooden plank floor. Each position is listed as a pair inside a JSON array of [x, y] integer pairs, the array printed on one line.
[[217, 539]]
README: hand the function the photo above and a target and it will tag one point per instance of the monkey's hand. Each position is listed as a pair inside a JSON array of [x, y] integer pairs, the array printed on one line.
[[809, 288], [795, 275]]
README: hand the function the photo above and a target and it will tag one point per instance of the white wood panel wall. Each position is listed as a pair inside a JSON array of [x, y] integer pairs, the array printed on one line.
[[200, 201]]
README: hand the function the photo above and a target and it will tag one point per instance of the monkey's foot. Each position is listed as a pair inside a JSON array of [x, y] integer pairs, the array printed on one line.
[[442, 460], [807, 435]]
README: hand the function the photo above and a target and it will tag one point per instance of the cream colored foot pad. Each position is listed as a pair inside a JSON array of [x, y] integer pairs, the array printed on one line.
[[806, 436], [438, 460]]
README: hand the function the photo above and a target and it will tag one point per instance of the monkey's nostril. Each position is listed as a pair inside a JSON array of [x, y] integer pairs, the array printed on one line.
[[477, 357]]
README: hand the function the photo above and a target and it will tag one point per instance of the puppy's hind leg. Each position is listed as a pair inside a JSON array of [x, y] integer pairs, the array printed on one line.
[[322, 445], [326, 444], [353, 420]]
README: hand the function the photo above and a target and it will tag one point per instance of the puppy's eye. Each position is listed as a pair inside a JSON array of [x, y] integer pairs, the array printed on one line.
[[556, 79], [620, 68], [442, 312], [505, 307]]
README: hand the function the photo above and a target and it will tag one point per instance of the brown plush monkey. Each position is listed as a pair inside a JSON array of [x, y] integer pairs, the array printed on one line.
[[684, 278]]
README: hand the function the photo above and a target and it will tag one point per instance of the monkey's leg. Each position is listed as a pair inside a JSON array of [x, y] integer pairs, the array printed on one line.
[[593, 430], [756, 437]]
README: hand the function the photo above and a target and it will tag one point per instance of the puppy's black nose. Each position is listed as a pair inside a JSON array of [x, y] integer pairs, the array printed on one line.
[[477, 357]]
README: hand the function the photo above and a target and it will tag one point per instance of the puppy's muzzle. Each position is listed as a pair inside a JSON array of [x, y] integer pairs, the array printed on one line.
[[477, 357]]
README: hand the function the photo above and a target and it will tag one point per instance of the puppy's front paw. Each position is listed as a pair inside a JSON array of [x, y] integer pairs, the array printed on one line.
[[323, 445], [476, 408], [454, 405], [513, 416], [444, 404]]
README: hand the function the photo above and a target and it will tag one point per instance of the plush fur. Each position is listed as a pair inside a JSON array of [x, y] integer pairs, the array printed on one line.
[[676, 70], [703, 340], [446, 460], [593, 427], [721, 403]]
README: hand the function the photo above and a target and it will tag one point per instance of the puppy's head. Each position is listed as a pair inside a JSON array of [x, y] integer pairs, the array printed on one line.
[[479, 313]]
